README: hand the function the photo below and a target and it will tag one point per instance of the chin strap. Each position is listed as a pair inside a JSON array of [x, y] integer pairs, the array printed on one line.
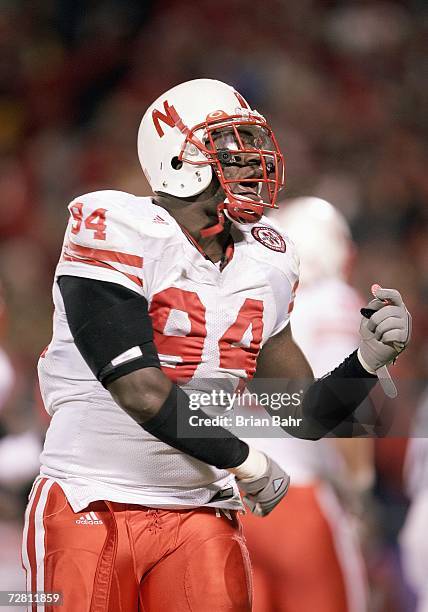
[[242, 212], [245, 212], [218, 227]]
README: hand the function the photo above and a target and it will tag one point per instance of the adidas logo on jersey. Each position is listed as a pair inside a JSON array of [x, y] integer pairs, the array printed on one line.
[[89, 519], [159, 219]]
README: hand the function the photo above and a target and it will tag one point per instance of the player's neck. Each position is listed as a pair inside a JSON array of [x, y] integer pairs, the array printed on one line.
[[213, 246], [197, 215]]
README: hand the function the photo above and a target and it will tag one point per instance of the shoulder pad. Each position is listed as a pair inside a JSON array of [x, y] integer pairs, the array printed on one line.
[[116, 220]]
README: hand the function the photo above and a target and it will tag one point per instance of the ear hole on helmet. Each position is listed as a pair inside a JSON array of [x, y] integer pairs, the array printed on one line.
[[176, 163]]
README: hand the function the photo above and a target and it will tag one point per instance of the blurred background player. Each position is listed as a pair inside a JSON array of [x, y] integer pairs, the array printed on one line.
[[7, 375], [7, 383], [413, 536], [19, 462], [19, 442], [312, 561]]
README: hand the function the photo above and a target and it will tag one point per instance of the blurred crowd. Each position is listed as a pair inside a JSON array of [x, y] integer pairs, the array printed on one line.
[[340, 81]]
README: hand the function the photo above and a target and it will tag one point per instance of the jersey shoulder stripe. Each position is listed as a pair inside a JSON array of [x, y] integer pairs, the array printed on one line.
[[105, 255], [93, 262]]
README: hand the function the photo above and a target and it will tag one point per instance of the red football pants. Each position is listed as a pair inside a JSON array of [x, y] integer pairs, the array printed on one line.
[[115, 557], [305, 556]]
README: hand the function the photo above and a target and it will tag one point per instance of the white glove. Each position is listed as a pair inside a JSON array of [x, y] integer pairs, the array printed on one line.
[[263, 482], [385, 334], [264, 493]]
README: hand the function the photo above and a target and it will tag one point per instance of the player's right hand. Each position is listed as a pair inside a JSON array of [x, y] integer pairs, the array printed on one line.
[[387, 332], [264, 493]]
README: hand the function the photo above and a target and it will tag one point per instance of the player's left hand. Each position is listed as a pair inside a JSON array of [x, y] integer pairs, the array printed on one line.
[[387, 332], [264, 493]]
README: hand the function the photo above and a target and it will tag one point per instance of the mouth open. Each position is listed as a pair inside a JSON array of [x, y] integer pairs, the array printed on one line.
[[250, 189], [251, 185]]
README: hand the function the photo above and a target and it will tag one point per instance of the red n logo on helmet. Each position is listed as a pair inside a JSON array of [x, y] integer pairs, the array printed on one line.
[[169, 117], [241, 100]]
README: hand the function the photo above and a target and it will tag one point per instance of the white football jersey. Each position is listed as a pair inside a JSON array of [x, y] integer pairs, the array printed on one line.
[[324, 323], [207, 324]]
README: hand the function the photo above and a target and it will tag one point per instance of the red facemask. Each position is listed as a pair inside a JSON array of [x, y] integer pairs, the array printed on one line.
[[247, 143]]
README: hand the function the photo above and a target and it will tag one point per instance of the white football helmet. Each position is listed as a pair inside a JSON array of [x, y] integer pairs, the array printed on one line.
[[195, 129], [321, 235]]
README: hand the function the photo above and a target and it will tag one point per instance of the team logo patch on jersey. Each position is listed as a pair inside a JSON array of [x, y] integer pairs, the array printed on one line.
[[269, 238]]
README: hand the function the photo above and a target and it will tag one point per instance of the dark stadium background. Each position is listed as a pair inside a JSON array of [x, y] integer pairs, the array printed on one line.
[[341, 82]]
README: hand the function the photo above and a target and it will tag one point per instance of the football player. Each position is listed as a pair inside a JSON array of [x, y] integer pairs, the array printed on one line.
[[154, 297], [316, 563]]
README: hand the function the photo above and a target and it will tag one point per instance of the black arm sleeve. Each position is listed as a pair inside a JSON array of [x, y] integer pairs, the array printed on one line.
[[329, 401], [106, 320], [216, 445], [85, 298]]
